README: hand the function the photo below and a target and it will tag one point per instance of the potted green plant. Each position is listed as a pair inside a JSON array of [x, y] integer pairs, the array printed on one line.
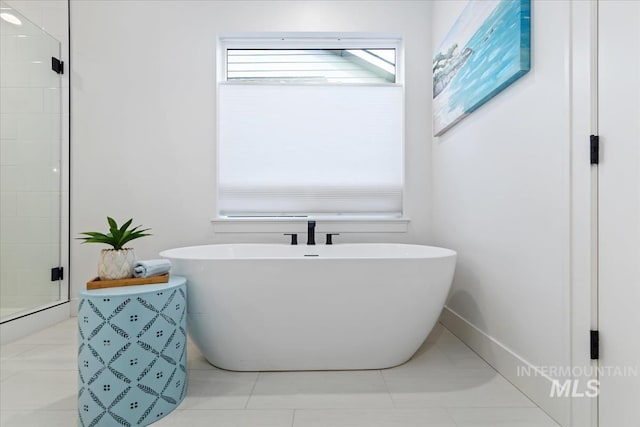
[[116, 263]]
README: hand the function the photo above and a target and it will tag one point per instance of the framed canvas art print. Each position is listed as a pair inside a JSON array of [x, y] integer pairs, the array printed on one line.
[[486, 49]]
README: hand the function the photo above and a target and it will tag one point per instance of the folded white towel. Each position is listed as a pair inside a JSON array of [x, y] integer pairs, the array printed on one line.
[[151, 267]]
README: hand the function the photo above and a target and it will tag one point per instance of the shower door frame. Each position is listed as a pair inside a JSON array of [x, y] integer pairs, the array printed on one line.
[[32, 320]]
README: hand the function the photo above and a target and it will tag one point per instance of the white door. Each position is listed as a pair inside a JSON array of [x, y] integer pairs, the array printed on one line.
[[619, 211]]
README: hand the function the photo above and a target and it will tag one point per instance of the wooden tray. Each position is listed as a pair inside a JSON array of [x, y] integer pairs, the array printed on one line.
[[96, 283]]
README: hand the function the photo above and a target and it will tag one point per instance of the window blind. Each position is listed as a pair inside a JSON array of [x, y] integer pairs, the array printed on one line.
[[311, 65], [288, 150]]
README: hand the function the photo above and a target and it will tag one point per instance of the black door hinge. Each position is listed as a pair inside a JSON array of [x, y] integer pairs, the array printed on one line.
[[595, 345], [57, 273], [57, 65], [595, 149]]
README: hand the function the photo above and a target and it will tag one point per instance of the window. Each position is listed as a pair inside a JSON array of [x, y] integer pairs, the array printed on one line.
[[309, 126], [311, 65]]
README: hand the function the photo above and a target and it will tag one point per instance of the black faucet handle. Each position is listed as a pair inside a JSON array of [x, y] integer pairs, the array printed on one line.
[[329, 236], [294, 238], [311, 232]]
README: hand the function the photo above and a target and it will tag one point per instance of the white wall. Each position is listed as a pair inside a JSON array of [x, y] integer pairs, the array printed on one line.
[[502, 199], [144, 96]]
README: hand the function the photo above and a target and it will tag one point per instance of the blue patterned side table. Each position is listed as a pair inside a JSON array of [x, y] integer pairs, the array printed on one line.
[[132, 355]]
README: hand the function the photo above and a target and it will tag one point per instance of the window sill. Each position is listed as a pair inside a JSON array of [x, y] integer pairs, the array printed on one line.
[[299, 225]]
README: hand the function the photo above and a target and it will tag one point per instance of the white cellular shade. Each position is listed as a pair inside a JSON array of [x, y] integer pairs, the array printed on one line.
[[309, 149]]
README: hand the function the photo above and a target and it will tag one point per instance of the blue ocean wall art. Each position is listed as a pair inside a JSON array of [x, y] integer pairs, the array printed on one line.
[[486, 50]]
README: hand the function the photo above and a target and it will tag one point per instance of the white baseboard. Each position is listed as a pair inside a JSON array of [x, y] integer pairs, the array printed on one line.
[[23, 326], [506, 362]]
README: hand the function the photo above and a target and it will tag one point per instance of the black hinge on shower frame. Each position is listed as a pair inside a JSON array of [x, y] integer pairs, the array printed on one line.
[[595, 149], [595, 345], [57, 65], [57, 273]]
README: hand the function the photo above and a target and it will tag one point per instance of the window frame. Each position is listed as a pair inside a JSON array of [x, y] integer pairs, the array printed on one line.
[[309, 40]]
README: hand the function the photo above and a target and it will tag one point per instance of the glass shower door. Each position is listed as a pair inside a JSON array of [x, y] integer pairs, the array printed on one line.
[[30, 181]]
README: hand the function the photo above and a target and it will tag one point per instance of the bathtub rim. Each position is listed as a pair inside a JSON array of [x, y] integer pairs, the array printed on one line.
[[432, 252]]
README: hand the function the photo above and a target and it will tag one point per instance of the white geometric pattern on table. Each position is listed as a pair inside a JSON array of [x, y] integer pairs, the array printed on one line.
[[132, 355]]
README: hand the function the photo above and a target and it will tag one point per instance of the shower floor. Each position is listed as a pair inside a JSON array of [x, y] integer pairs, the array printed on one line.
[[445, 384], [16, 309]]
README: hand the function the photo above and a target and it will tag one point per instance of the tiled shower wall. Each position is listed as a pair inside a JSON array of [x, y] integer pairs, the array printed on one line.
[[30, 140]]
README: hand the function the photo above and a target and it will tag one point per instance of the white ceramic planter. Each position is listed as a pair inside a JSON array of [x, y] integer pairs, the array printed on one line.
[[116, 264]]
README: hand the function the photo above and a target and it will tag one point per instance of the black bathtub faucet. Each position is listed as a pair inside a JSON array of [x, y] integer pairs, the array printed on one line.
[[311, 232], [294, 238]]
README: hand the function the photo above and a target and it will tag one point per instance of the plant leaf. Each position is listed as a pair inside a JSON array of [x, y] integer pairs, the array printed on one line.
[[95, 238], [117, 236], [132, 236], [126, 225], [113, 225]]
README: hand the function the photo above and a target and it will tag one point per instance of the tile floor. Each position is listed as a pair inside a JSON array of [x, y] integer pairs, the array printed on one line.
[[444, 385]]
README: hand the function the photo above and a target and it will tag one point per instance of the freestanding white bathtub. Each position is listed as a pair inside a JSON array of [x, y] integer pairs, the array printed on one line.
[[269, 307]]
